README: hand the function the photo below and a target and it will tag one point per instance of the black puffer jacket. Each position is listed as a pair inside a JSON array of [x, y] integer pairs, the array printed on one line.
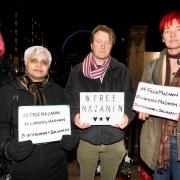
[[48, 161], [116, 79]]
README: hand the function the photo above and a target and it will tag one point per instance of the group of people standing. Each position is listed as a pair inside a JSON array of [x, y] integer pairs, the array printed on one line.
[[98, 72]]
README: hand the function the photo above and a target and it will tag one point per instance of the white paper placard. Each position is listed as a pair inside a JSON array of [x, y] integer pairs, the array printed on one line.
[[163, 101], [43, 124], [101, 108]]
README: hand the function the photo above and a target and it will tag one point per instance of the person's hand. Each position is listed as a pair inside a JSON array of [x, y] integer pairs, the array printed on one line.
[[123, 123], [18, 151], [79, 123], [68, 142], [143, 116]]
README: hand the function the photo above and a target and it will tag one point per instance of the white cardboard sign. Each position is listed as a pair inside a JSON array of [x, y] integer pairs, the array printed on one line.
[[163, 101], [101, 108], [43, 124]]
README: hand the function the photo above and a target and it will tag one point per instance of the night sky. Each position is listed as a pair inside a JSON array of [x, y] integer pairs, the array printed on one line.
[[117, 12], [60, 18]]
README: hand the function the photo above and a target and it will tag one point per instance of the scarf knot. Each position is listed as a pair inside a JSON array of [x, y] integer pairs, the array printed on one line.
[[35, 88], [174, 56], [92, 70]]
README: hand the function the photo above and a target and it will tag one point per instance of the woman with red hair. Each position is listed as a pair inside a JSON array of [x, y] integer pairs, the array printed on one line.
[[2, 45], [160, 137], [7, 72]]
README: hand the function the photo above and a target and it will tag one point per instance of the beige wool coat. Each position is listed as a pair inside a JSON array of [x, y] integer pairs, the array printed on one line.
[[151, 128]]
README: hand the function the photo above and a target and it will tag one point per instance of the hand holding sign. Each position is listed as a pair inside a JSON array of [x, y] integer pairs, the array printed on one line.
[[80, 123], [163, 101], [143, 116], [41, 124], [101, 108], [121, 124]]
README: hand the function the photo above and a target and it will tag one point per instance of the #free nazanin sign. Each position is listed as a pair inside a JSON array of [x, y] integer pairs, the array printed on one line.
[[101, 108]]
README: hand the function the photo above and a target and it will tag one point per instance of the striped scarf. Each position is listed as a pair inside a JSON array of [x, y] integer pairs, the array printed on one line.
[[91, 68]]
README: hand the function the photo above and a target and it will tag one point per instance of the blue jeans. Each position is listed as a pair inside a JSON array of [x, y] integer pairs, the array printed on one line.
[[173, 171]]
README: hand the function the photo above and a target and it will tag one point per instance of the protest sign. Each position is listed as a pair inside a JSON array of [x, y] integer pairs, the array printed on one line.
[[101, 108], [43, 124], [163, 101]]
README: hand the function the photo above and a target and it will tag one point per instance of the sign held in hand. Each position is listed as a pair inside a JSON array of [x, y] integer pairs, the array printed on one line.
[[101, 108], [43, 124], [163, 101]]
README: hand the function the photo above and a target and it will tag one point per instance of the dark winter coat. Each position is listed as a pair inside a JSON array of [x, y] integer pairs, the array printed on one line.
[[116, 79], [48, 161], [7, 72]]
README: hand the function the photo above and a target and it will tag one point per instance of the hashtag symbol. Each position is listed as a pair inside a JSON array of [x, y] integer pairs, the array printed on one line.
[[25, 115], [26, 124], [87, 98]]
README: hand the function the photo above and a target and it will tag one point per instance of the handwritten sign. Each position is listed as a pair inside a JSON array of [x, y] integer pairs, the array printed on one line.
[[163, 101], [43, 124], [101, 108]]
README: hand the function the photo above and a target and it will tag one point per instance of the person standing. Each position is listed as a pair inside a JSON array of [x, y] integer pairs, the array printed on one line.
[[47, 161], [160, 137], [99, 72], [7, 72]]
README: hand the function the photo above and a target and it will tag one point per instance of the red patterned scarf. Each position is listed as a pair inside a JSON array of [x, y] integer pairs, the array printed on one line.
[[91, 68]]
